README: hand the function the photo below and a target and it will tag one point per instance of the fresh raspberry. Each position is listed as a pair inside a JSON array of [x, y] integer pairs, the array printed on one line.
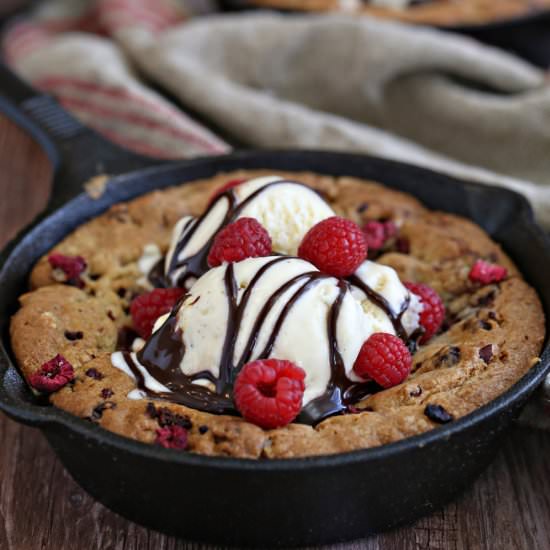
[[71, 266], [378, 233], [485, 272], [245, 238], [433, 309], [384, 358], [147, 308], [225, 187], [172, 437], [52, 375], [335, 246], [269, 392]]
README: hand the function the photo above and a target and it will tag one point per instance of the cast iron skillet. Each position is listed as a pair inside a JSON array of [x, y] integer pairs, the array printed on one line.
[[282, 502], [527, 36]]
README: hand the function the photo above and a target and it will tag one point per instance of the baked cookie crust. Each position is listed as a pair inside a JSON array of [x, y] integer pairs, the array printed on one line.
[[445, 13], [493, 336]]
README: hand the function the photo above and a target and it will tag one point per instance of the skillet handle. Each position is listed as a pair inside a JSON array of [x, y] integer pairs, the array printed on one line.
[[77, 152]]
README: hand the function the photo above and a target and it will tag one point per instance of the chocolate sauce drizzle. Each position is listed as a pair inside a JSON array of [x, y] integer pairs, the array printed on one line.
[[396, 317], [341, 391], [161, 356], [164, 351], [156, 276]]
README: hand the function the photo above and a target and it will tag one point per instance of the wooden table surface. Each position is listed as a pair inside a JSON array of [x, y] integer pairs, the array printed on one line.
[[42, 508]]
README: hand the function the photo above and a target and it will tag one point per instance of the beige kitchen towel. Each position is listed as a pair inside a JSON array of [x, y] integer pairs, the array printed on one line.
[[357, 84]]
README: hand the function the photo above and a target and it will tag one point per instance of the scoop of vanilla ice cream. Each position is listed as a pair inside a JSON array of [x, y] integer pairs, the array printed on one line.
[[287, 210], [268, 290]]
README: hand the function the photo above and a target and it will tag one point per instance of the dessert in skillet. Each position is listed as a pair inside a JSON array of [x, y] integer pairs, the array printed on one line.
[[260, 315], [432, 12]]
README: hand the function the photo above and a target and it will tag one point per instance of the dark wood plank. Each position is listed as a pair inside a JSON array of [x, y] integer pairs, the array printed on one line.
[[25, 179], [42, 507]]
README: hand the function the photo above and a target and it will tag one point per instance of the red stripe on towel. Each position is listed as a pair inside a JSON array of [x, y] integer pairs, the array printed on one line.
[[22, 39], [140, 121]]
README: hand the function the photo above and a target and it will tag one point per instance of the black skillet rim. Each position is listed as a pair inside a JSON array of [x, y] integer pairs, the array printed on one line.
[[43, 417]]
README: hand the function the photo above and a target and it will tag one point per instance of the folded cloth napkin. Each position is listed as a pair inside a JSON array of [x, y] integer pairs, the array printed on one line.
[[65, 50], [357, 84], [337, 82]]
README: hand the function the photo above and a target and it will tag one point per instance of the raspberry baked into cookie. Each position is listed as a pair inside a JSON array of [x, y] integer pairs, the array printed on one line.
[[431, 12], [266, 315]]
